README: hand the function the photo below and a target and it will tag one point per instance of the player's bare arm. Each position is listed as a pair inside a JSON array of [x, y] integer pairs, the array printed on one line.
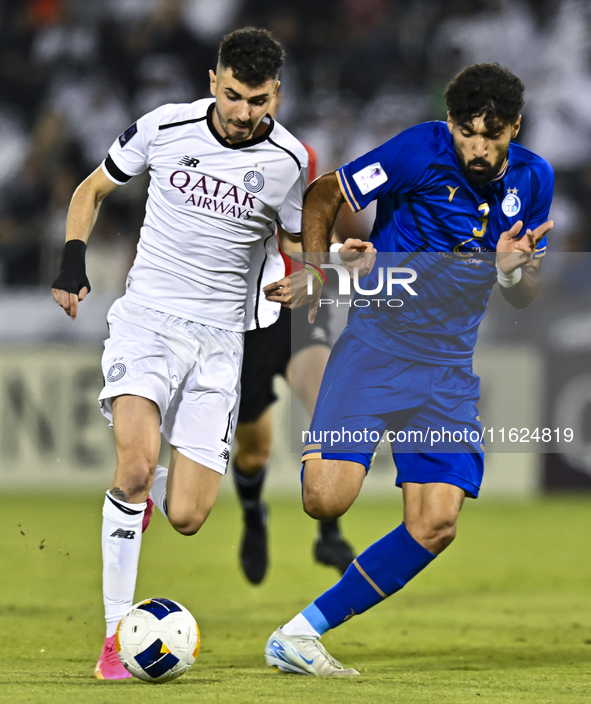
[[515, 251], [72, 286], [322, 203], [281, 291]]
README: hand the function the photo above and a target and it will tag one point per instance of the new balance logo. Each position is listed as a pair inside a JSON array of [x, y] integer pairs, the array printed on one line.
[[225, 454], [189, 161], [120, 533]]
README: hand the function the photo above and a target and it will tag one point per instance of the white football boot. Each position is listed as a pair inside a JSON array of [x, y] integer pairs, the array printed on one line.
[[302, 655]]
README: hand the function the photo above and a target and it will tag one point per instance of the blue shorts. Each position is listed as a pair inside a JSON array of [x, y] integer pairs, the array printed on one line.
[[428, 414]]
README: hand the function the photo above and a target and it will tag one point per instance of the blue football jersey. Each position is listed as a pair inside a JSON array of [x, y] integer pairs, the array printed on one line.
[[431, 219]]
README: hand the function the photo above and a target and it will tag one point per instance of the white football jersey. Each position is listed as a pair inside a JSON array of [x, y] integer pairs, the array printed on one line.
[[208, 246]]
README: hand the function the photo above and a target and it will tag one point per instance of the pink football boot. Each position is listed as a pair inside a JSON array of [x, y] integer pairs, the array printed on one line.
[[109, 666]]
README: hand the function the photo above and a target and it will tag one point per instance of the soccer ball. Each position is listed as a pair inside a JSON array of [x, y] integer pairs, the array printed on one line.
[[157, 640]]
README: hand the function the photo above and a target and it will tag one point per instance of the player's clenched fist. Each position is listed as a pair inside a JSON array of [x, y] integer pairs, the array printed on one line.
[[72, 284], [357, 254]]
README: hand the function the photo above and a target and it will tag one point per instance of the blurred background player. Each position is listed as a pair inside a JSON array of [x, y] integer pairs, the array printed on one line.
[[460, 187], [223, 177], [269, 352]]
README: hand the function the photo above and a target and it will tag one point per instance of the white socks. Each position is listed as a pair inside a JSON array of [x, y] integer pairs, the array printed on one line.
[[299, 626], [122, 539], [158, 490]]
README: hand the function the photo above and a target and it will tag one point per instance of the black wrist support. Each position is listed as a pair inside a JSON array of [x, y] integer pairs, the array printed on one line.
[[72, 277]]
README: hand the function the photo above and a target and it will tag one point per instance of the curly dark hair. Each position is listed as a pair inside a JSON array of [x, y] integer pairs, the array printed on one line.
[[485, 89], [253, 55]]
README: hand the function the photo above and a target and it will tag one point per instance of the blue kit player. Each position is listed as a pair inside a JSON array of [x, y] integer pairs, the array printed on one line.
[[464, 207]]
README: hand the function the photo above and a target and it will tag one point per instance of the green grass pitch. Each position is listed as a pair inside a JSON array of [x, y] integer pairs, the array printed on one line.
[[504, 616]]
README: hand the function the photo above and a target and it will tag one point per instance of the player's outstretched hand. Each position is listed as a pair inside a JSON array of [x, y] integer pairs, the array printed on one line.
[[292, 291], [515, 250], [69, 301], [280, 291]]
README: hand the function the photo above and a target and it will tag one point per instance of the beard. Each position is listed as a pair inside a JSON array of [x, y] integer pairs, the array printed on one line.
[[231, 131], [487, 174]]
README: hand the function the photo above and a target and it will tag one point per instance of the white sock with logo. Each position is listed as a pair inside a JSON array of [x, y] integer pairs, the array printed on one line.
[[158, 490], [122, 540]]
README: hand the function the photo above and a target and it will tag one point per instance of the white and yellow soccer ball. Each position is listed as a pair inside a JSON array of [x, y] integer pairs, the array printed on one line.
[[157, 640]]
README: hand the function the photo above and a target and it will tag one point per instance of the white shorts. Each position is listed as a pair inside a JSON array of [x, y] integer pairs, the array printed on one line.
[[191, 372]]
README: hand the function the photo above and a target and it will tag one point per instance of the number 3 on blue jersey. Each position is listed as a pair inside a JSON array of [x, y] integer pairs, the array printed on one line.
[[484, 209]]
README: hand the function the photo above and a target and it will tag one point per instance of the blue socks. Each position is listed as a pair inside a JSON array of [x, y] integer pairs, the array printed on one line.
[[383, 569]]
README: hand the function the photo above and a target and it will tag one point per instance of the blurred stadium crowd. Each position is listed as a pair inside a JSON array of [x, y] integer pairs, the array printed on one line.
[[75, 73]]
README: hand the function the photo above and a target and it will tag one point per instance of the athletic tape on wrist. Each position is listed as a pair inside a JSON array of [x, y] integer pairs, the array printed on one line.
[[74, 252], [334, 256], [72, 277], [511, 279]]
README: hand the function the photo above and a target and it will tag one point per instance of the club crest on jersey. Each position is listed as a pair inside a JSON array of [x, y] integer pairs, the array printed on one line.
[[116, 372], [254, 181], [128, 134], [370, 178], [511, 204]]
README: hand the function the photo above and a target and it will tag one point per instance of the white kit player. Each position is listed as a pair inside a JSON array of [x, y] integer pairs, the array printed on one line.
[[224, 175]]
